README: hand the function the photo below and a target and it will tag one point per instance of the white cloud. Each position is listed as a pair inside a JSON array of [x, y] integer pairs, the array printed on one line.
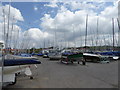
[[13, 13], [35, 8], [17, 17], [35, 33], [64, 19], [34, 37], [111, 12], [13, 33], [80, 5], [69, 26], [52, 4]]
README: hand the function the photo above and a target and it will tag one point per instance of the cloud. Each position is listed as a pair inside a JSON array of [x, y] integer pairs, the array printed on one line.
[[34, 37], [111, 12], [79, 5], [35, 33], [35, 8], [52, 4], [72, 24], [13, 33], [67, 28], [13, 13]]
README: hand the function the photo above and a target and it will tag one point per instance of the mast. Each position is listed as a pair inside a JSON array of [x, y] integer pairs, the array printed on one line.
[[65, 40], [3, 57], [86, 31], [74, 39], [44, 40], [118, 24], [118, 31], [48, 43], [56, 43], [55, 39], [4, 26], [74, 36], [97, 33], [7, 34], [80, 38], [16, 41], [11, 32], [113, 31]]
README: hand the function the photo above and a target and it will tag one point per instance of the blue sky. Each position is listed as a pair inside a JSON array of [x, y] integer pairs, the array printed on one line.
[[40, 17], [32, 17]]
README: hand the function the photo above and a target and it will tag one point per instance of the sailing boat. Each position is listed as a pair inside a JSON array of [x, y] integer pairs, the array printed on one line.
[[100, 55], [55, 53], [13, 66], [111, 54]]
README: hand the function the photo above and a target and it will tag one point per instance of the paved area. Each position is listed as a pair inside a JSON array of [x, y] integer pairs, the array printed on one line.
[[53, 74]]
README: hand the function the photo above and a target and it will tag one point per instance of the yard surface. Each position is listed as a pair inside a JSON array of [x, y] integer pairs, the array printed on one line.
[[53, 74]]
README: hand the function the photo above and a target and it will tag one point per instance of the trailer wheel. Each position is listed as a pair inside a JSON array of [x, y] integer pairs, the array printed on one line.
[[31, 77], [16, 74], [61, 60]]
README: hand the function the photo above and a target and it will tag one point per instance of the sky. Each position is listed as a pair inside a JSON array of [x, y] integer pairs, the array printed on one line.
[[53, 23]]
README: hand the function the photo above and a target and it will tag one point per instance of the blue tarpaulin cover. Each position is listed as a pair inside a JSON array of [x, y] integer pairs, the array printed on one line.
[[13, 62], [115, 53]]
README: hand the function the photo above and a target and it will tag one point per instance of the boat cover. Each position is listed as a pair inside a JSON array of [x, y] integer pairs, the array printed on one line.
[[13, 62]]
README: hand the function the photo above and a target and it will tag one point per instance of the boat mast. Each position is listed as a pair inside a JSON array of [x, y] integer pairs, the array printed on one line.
[[113, 31], [80, 38], [44, 40], [11, 32], [118, 31], [74, 37], [3, 57], [4, 26], [118, 24], [86, 31], [7, 37], [97, 33], [64, 41], [55, 43]]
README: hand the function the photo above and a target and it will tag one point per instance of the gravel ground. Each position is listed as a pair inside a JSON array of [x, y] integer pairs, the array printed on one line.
[[53, 74]]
